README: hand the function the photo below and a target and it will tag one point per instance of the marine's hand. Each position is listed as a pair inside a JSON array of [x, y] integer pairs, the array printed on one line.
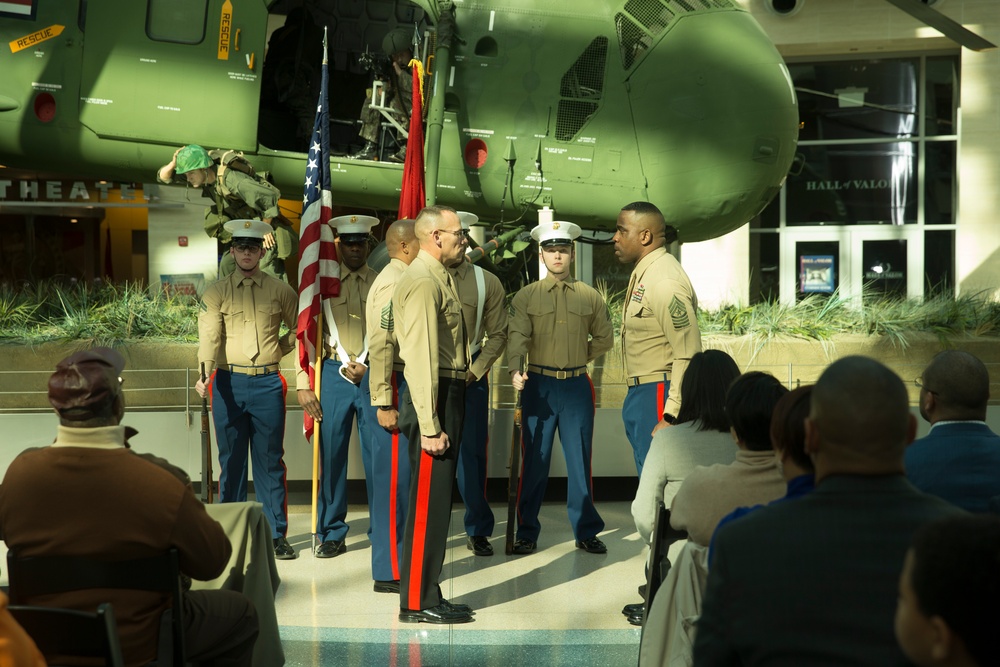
[[470, 377], [517, 379], [201, 388], [435, 444], [268, 241], [662, 424], [354, 371], [389, 420], [307, 399]]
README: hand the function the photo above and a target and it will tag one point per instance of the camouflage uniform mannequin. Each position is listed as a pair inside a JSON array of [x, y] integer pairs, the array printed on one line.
[[238, 195], [399, 95]]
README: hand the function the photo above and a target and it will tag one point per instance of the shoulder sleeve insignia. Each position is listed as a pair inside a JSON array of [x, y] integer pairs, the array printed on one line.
[[386, 321], [678, 314]]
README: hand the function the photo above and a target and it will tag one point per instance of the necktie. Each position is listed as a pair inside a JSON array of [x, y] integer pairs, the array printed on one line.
[[355, 335], [464, 342], [628, 298], [250, 347], [562, 327]]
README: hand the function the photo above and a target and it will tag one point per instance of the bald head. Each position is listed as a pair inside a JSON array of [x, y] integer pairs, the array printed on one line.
[[428, 220], [859, 420], [399, 235], [959, 385]]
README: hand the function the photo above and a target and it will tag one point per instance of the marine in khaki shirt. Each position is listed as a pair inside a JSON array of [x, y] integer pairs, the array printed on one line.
[[433, 345], [558, 326], [342, 399], [659, 325], [239, 339], [388, 478], [485, 311]]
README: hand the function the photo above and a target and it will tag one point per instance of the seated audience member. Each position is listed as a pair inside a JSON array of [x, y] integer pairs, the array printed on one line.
[[813, 582], [698, 437], [708, 494], [89, 495], [947, 613], [788, 437], [959, 460]]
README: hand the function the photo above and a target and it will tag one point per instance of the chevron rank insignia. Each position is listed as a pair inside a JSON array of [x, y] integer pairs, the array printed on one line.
[[387, 322], [678, 314]]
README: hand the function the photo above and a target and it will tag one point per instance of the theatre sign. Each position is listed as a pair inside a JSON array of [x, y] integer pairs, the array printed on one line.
[[14, 191]]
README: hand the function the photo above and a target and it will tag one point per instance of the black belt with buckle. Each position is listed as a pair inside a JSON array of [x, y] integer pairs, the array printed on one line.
[[558, 373]]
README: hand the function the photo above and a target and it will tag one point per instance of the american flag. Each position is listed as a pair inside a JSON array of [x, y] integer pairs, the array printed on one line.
[[319, 272]]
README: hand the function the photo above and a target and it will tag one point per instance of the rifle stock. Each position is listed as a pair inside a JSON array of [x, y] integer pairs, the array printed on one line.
[[206, 450], [512, 478]]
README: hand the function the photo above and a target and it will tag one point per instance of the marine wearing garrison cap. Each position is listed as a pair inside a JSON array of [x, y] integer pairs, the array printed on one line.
[[558, 326], [484, 308]]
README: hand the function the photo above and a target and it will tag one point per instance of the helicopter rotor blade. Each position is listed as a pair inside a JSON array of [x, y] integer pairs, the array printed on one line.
[[946, 26]]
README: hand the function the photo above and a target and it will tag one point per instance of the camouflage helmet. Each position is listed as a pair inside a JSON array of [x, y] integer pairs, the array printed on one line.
[[192, 157], [397, 40]]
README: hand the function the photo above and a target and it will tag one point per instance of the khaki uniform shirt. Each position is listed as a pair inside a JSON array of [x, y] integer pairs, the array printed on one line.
[[221, 324], [553, 339], [494, 321], [430, 332], [660, 323], [382, 349], [349, 315]]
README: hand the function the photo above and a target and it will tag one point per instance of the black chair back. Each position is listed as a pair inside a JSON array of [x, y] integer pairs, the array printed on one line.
[[664, 535], [64, 633], [47, 575]]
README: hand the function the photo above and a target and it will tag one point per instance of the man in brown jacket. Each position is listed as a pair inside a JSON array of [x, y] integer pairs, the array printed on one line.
[[103, 501]]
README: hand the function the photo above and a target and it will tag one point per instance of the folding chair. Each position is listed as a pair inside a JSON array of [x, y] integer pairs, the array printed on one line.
[[46, 575], [64, 633]]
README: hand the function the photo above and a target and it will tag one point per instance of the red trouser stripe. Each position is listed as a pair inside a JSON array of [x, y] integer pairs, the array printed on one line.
[[426, 464], [394, 490], [659, 400]]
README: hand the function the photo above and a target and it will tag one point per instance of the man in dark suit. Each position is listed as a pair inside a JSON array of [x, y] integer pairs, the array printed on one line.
[[813, 581], [959, 460]]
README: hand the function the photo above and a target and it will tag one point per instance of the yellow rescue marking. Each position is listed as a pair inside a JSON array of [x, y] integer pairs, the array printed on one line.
[[36, 38], [225, 29]]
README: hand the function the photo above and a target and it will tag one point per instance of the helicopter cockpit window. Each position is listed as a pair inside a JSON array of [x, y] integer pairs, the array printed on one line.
[[581, 90], [20, 9], [178, 21]]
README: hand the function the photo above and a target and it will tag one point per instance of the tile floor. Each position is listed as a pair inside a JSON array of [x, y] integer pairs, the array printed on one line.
[[558, 606]]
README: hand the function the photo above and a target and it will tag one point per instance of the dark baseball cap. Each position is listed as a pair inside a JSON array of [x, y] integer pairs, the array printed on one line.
[[86, 383]]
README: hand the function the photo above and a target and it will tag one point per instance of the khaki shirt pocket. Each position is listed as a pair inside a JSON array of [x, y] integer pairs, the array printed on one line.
[[639, 319], [268, 317], [580, 315], [542, 312]]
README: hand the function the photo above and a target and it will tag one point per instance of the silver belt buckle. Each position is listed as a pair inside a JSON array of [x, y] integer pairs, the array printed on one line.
[[562, 375]]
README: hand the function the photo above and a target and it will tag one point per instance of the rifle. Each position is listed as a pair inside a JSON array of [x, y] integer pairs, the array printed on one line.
[[206, 449], [512, 478]]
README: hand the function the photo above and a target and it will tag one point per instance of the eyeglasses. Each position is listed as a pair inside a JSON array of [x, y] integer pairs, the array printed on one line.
[[919, 383], [243, 247], [459, 233]]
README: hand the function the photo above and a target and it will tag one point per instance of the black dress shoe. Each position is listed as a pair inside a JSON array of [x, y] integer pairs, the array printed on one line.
[[592, 546], [283, 550], [391, 586], [524, 547], [368, 152], [635, 619], [330, 549], [440, 615], [461, 608], [479, 545], [632, 609]]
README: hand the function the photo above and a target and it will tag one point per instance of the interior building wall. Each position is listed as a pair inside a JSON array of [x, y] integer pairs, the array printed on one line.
[[831, 28]]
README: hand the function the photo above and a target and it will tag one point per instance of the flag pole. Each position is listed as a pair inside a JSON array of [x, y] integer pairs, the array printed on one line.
[[316, 429]]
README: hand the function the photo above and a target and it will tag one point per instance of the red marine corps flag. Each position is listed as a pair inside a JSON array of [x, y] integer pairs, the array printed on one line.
[[413, 196], [319, 272]]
